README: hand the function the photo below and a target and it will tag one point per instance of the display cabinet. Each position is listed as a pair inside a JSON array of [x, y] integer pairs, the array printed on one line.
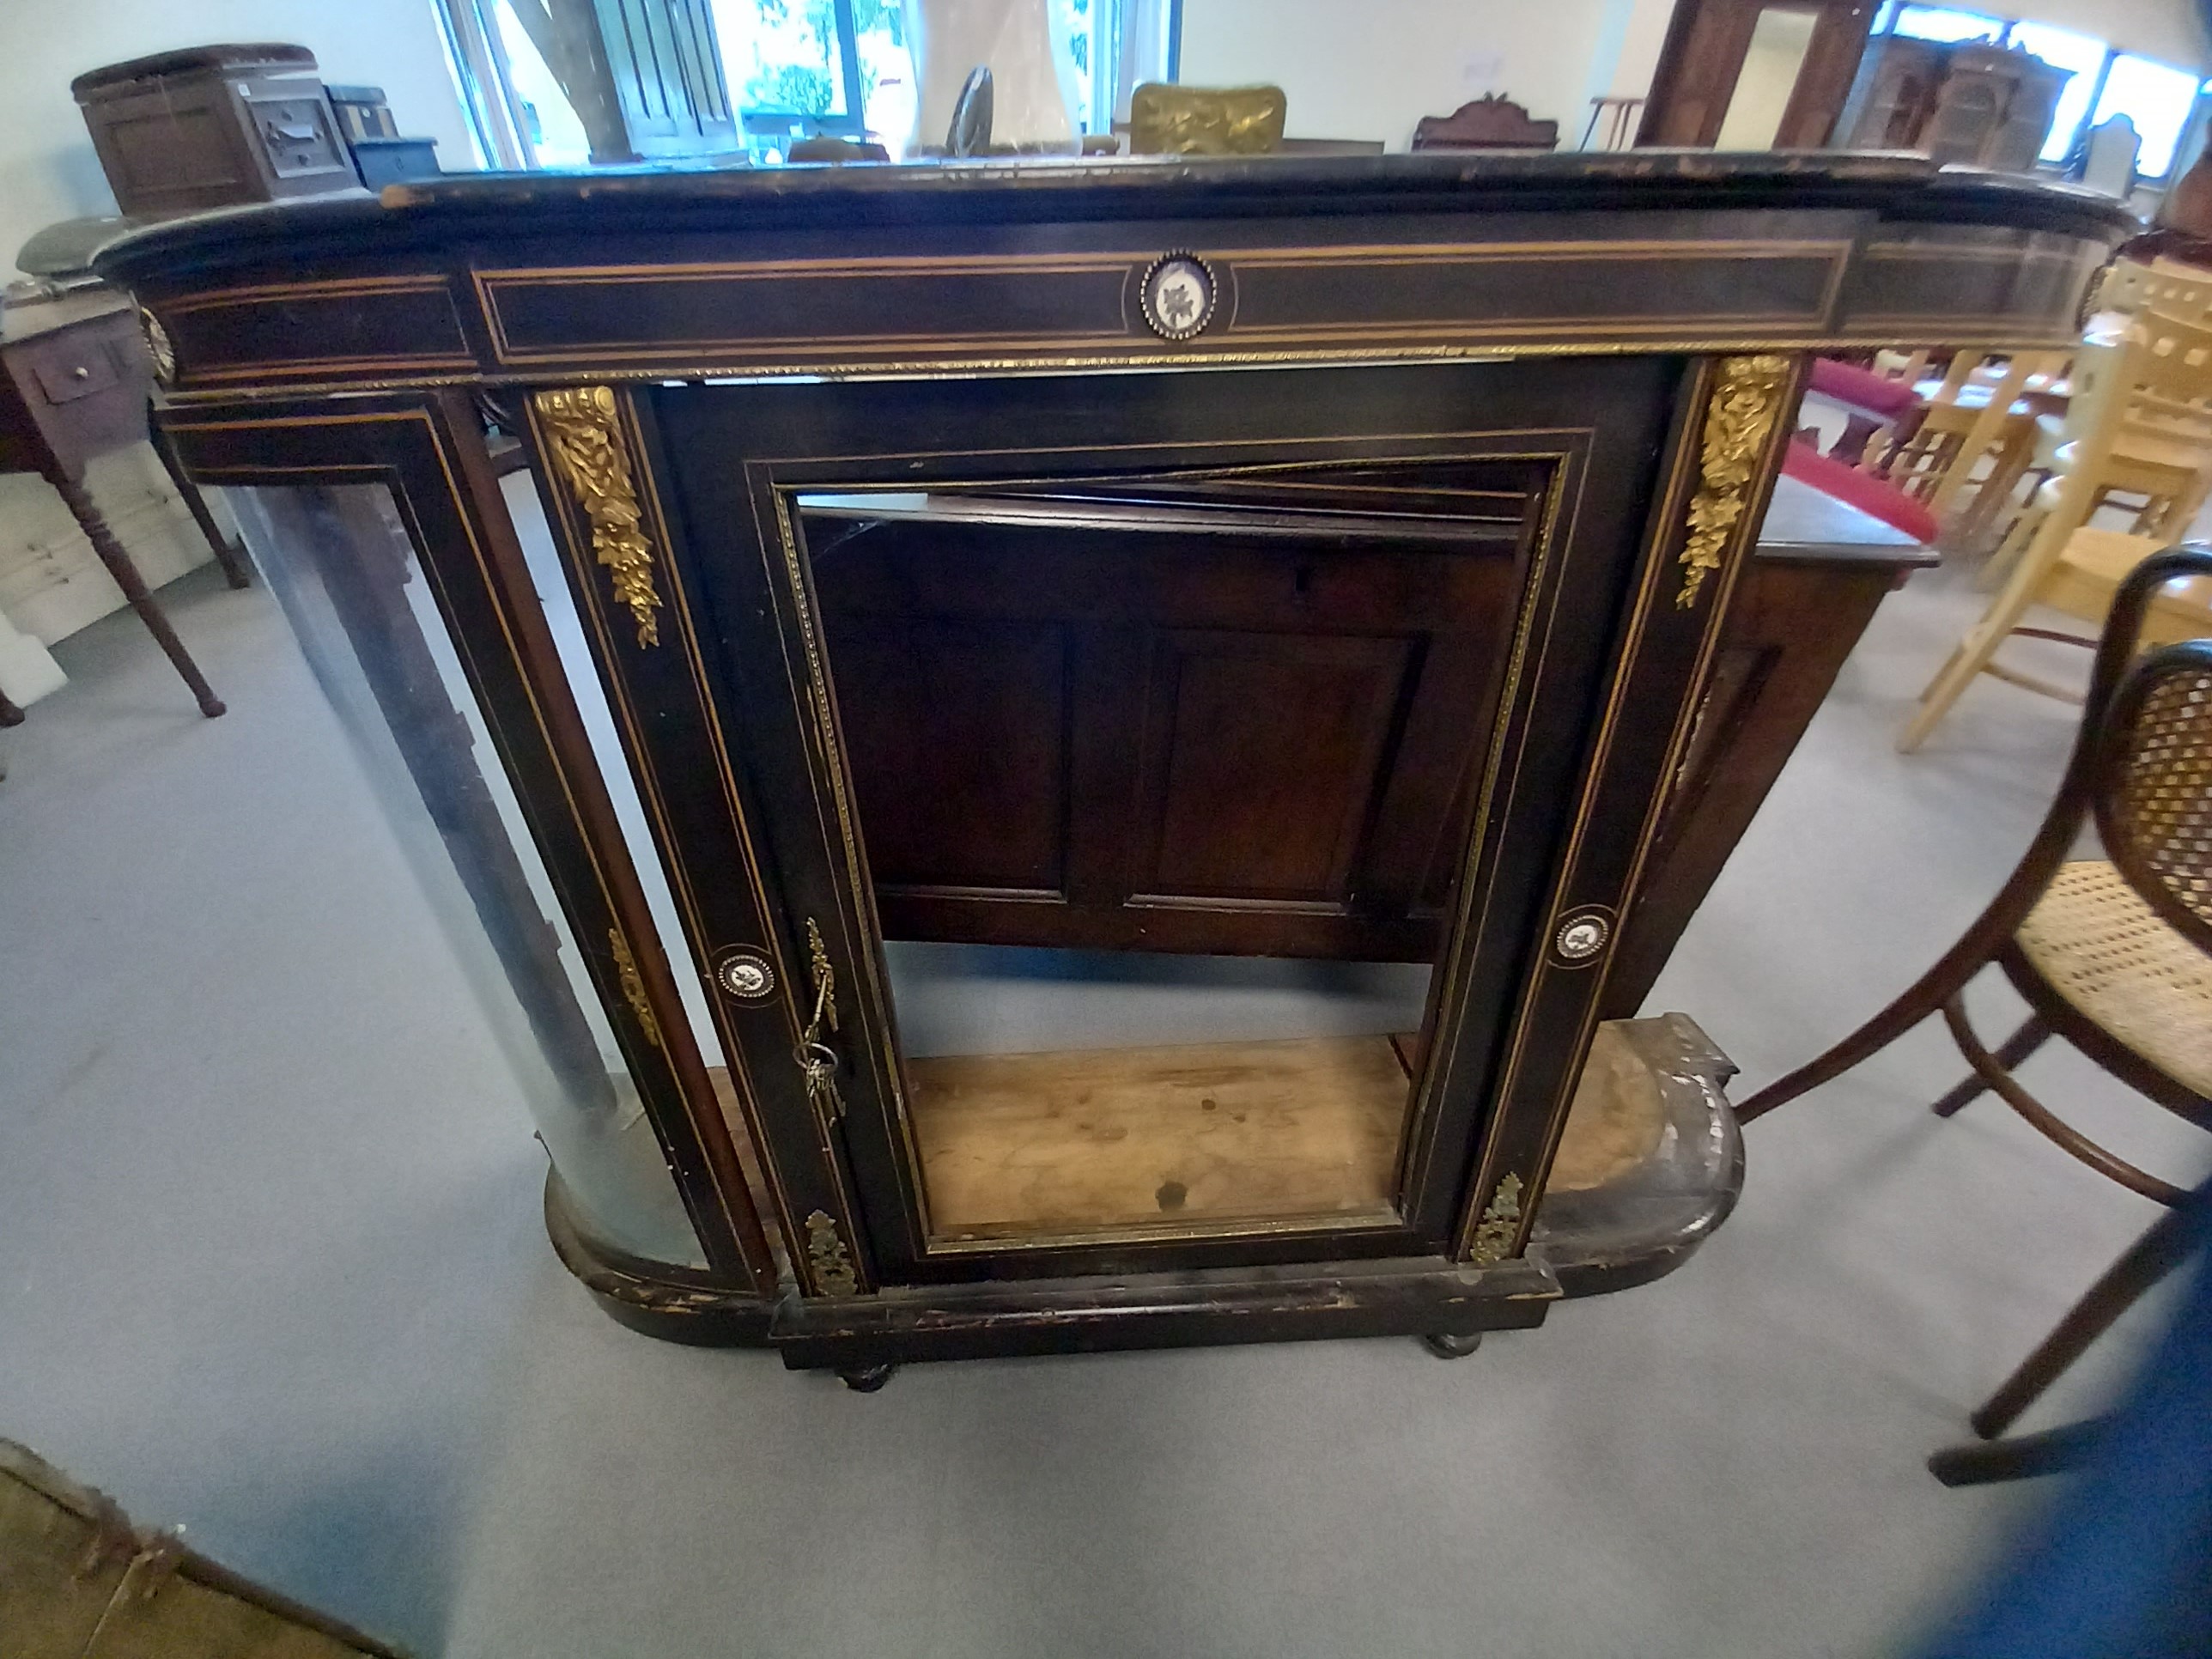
[[1053, 757]]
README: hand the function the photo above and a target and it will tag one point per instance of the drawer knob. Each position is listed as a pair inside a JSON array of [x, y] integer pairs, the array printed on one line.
[[80, 373]]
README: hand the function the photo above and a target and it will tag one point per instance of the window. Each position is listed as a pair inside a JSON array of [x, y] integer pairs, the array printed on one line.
[[557, 136], [2158, 98], [2063, 49], [793, 67], [1943, 23], [801, 66], [2102, 81], [1088, 49]]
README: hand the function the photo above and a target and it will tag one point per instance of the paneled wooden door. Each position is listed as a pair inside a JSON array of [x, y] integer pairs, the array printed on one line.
[[1337, 697]]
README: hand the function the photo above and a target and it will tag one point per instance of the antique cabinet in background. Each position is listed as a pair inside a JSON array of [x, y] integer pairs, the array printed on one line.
[[1961, 102], [1073, 744]]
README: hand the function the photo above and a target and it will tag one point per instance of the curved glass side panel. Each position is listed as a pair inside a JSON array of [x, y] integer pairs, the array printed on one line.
[[340, 561]]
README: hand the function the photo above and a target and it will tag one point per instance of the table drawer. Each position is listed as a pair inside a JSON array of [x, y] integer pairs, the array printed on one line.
[[72, 367]]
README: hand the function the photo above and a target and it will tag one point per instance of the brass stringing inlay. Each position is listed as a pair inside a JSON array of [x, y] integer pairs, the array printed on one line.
[[825, 1250], [1746, 399], [633, 985], [1493, 1234], [586, 445]]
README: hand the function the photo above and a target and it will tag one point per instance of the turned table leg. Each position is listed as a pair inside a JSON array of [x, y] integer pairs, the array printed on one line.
[[134, 586], [228, 553]]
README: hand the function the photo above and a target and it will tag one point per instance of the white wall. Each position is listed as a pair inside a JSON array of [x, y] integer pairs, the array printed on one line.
[[47, 169], [50, 582], [1370, 69], [2167, 30]]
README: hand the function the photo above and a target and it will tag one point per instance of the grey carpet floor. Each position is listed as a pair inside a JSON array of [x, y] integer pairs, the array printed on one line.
[[270, 1267]]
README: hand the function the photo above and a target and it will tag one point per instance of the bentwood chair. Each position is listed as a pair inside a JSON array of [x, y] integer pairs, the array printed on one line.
[[2112, 954]]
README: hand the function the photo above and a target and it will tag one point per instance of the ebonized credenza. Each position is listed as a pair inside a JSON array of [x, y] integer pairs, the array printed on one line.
[[1069, 756]]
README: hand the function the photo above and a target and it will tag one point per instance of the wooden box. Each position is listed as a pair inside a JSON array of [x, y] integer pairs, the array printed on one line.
[[78, 1581], [211, 127]]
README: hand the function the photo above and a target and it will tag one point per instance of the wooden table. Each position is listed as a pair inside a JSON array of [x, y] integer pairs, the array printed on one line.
[[75, 386], [1821, 569]]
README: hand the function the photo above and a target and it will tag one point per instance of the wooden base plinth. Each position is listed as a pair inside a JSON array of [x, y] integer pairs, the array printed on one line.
[[1088, 1139], [1650, 1165]]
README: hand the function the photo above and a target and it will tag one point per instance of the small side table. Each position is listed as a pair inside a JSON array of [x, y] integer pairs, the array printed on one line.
[[77, 384]]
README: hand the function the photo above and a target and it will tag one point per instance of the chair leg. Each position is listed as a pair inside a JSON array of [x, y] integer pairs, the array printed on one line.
[[1957, 673], [2052, 1452], [2007, 1089], [2014, 542], [1851, 446], [2165, 1246], [1930, 992], [1982, 639], [2011, 1053]]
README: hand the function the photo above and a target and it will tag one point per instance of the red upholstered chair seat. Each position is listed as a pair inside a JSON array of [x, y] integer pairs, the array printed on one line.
[[1876, 497], [1861, 388]]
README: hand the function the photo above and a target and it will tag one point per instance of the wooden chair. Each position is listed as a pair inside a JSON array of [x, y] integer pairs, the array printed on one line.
[[2112, 954], [2159, 380], [2121, 286], [1491, 122], [2172, 1240], [1974, 415], [1896, 364], [2143, 467]]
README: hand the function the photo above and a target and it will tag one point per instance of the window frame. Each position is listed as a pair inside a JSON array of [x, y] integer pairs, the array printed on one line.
[[769, 123], [1886, 26]]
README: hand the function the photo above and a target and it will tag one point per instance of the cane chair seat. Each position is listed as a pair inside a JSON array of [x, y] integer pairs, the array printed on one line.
[[2099, 945]]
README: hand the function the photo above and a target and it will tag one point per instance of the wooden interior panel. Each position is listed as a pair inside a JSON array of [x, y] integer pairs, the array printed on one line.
[[1151, 735], [1267, 747], [956, 734]]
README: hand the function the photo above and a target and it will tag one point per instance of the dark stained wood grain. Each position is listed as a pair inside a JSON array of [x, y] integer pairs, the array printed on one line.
[[1147, 736], [781, 271], [958, 732], [1786, 639]]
